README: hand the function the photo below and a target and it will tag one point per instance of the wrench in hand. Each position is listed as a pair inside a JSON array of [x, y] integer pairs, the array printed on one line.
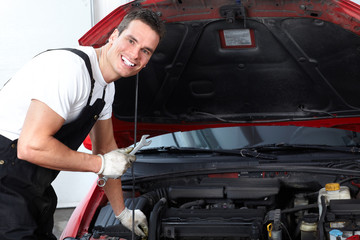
[[143, 142]]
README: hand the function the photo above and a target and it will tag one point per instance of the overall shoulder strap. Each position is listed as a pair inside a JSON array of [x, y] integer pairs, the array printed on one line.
[[86, 59]]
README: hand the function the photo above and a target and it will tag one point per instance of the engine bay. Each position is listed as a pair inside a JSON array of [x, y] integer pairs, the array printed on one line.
[[277, 205]]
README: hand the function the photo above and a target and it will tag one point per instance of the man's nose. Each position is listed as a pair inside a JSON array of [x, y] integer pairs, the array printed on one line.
[[135, 51]]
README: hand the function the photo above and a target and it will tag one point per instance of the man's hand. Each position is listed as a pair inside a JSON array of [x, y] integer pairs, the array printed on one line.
[[141, 225], [115, 163]]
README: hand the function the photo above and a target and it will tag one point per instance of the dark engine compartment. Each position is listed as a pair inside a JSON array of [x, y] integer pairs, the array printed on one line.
[[238, 208]]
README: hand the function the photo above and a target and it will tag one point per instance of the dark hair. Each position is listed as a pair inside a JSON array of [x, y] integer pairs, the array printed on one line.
[[146, 16]]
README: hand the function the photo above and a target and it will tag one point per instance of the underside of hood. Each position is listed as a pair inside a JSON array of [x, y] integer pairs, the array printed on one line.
[[243, 62]]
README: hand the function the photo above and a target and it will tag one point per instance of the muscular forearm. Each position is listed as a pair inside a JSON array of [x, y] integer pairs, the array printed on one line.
[[50, 153], [102, 144], [113, 187], [114, 193], [37, 144]]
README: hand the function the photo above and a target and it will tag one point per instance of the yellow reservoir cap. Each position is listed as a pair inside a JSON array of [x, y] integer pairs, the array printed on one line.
[[332, 187]]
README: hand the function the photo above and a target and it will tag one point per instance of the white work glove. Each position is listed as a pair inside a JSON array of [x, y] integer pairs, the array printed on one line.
[[115, 163], [141, 225]]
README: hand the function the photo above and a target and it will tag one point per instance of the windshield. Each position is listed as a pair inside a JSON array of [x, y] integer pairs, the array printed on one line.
[[252, 136]]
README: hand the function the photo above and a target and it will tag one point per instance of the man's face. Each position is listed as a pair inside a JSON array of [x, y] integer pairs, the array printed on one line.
[[131, 50]]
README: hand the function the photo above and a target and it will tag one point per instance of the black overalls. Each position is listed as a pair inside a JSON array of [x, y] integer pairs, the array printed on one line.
[[27, 199]]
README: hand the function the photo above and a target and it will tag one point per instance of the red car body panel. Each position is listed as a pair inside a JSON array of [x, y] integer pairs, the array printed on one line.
[[82, 215]]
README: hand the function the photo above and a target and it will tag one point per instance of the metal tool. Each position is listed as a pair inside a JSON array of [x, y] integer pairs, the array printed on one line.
[[143, 142]]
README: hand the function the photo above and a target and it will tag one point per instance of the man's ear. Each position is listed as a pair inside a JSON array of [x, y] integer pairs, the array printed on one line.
[[114, 35]]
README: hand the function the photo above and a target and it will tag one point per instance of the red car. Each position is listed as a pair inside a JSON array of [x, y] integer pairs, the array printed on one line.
[[253, 109]]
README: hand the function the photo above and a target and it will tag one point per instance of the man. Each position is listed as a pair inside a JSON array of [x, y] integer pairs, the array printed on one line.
[[46, 111]]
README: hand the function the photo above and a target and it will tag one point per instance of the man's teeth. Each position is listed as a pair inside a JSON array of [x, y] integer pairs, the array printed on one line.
[[127, 62]]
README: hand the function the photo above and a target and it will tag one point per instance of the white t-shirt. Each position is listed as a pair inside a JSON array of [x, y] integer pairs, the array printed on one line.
[[57, 78]]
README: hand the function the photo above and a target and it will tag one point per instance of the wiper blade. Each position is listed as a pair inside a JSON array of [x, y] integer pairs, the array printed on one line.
[[283, 146], [253, 153], [349, 165], [242, 152]]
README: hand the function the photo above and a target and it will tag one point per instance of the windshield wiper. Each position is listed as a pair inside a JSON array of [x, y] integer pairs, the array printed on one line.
[[238, 152], [285, 146]]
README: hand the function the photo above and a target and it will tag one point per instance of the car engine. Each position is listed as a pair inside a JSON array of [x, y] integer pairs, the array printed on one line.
[[275, 206]]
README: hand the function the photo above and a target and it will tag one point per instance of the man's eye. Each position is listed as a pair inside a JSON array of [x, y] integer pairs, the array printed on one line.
[[146, 52], [131, 41]]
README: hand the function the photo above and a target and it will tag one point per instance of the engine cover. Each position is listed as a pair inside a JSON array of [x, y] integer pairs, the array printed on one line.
[[179, 223]]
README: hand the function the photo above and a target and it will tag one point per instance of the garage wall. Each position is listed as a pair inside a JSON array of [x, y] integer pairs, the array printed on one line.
[[29, 27]]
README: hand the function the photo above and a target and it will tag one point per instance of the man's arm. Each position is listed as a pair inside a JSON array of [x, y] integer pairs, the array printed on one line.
[[37, 143], [103, 141]]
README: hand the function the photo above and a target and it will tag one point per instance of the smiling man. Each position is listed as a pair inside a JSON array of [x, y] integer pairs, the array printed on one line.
[[129, 52], [56, 100]]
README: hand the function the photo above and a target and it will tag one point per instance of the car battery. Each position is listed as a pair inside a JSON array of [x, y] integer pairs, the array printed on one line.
[[344, 217]]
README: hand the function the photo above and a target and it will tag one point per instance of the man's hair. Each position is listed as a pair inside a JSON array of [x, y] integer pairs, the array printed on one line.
[[146, 16]]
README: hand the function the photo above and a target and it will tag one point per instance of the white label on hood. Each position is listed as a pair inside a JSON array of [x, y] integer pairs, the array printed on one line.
[[237, 37]]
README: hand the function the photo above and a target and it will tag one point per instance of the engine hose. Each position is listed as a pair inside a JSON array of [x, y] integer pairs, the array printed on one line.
[[154, 233], [154, 196], [193, 203], [322, 219], [300, 208]]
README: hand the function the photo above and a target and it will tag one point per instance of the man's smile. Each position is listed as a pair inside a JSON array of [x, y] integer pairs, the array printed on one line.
[[128, 62]]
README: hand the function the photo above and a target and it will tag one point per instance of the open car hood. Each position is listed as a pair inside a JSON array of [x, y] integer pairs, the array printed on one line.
[[249, 62]]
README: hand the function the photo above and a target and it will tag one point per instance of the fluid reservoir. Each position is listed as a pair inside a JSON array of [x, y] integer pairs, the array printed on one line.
[[308, 227], [308, 231], [332, 191]]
